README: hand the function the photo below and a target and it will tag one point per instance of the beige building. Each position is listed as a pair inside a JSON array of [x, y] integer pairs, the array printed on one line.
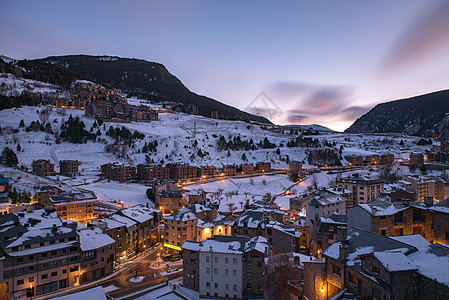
[[179, 227], [74, 206], [364, 187]]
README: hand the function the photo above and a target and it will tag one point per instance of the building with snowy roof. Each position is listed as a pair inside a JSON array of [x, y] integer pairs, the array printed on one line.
[[365, 186], [178, 228], [374, 266], [225, 266]]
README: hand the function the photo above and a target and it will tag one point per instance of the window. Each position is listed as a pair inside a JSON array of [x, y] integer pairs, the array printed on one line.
[[215, 271], [44, 276], [53, 274], [31, 279], [207, 259], [208, 284], [234, 261], [207, 270], [376, 270], [248, 264], [44, 255], [31, 268], [383, 232], [20, 259], [226, 260], [234, 287], [216, 284], [53, 263], [226, 272], [226, 286], [74, 269], [249, 275], [234, 272], [19, 271], [193, 261], [336, 270], [19, 282], [249, 286], [64, 271], [216, 259], [31, 257]]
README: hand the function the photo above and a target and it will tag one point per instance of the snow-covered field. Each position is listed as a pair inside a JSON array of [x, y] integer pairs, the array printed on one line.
[[177, 136]]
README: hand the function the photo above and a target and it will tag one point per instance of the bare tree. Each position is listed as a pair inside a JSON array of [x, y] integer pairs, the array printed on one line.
[[280, 270], [44, 115], [231, 207]]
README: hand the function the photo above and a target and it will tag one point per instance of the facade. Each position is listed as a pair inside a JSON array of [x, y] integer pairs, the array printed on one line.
[[171, 202], [208, 171], [97, 254], [150, 172], [69, 168], [230, 170], [393, 218], [43, 167], [423, 186], [44, 192], [197, 197], [179, 227], [119, 173], [364, 187], [74, 206], [40, 254], [225, 267], [295, 167], [386, 269], [247, 168], [263, 167]]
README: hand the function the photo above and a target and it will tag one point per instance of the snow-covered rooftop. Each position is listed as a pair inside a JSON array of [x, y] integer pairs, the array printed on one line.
[[93, 238], [394, 261]]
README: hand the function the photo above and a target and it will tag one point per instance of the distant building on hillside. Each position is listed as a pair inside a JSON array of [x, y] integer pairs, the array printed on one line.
[[69, 167], [43, 167]]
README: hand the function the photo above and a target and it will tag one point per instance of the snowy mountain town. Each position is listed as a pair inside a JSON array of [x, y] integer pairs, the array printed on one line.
[[302, 153]]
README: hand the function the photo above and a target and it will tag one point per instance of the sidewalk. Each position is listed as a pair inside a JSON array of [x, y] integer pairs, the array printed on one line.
[[163, 264]]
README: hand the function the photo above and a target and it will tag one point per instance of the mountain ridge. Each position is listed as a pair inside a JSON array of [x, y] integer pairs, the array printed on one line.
[[149, 80], [422, 115]]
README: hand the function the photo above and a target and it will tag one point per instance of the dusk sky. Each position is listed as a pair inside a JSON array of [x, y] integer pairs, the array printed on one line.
[[324, 62]]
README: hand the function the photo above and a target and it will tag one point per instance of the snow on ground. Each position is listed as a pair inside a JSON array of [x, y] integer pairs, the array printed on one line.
[[137, 279], [129, 193], [110, 288]]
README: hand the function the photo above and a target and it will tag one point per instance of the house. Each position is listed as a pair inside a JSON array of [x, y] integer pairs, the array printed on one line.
[[117, 172], [330, 228], [219, 226], [44, 192], [208, 172], [43, 167], [230, 170]]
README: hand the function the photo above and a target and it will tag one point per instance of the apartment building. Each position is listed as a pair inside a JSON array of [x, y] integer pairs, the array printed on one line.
[[229, 170], [150, 172], [225, 267], [365, 187], [294, 167], [43, 167], [247, 168], [179, 227], [69, 168], [73, 206], [263, 167], [208, 171], [171, 201]]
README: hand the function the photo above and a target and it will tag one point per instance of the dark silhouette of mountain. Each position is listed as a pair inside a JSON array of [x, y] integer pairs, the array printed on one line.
[[423, 115], [147, 80]]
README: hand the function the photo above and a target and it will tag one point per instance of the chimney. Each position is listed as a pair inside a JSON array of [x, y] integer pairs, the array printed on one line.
[[428, 200], [344, 252]]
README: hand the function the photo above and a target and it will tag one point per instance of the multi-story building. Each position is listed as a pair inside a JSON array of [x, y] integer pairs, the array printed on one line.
[[247, 168], [208, 172], [423, 186], [117, 172], [440, 212], [179, 227], [341, 192], [73, 206], [372, 266], [46, 191], [150, 172], [225, 267], [69, 167], [230, 170], [263, 167], [393, 218], [197, 197], [97, 254], [364, 187], [40, 254], [43, 167], [180, 172], [171, 201], [294, 167]]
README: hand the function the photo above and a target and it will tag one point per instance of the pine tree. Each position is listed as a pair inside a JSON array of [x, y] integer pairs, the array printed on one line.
[[8, 158], [21, 124], [18, 148]]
